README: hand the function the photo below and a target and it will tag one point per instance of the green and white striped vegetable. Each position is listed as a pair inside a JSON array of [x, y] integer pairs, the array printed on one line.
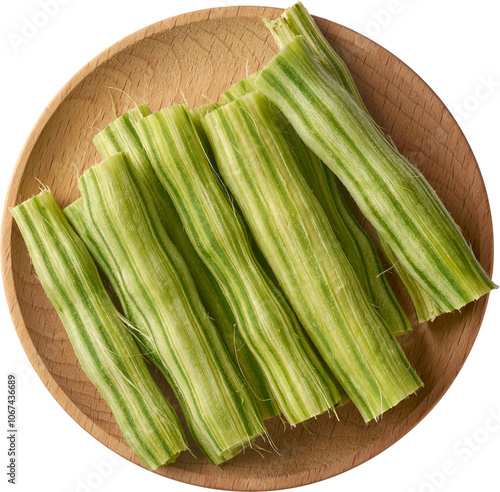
[[159, 297], [296, 21], [298, 242], [393, 194], [121, 136], [196, 115], [105, 349], [355, 242], [300, 384]]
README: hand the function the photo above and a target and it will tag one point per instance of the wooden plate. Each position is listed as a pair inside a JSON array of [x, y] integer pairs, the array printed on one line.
[[197, 56]]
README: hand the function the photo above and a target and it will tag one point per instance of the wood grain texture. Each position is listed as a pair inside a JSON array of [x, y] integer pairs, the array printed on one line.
[[198, 56]]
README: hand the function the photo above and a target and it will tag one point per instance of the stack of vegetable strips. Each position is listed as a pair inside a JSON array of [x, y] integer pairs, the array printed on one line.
[[243, 275], [420, 238], [105, 348], [159, 297]]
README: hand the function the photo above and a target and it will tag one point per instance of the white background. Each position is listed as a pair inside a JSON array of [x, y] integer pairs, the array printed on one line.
[[454, 46]]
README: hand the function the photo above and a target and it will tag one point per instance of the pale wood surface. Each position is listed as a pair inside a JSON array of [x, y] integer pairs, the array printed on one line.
[[197, 56]]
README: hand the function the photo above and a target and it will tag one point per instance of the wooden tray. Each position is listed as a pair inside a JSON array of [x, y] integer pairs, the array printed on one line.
[[197, 56]]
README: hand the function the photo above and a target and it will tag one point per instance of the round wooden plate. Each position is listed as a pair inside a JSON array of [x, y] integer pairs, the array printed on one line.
[[194, 57]]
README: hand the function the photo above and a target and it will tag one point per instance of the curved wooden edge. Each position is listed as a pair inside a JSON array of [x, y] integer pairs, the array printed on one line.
[[117, 446]]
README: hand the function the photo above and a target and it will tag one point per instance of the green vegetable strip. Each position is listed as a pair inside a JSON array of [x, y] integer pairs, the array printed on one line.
[[160, 298], [294, 234], [121, 136], [355, 242], [393, 195], [300, 385], [107, 352], [197, 115], [296, 21]]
